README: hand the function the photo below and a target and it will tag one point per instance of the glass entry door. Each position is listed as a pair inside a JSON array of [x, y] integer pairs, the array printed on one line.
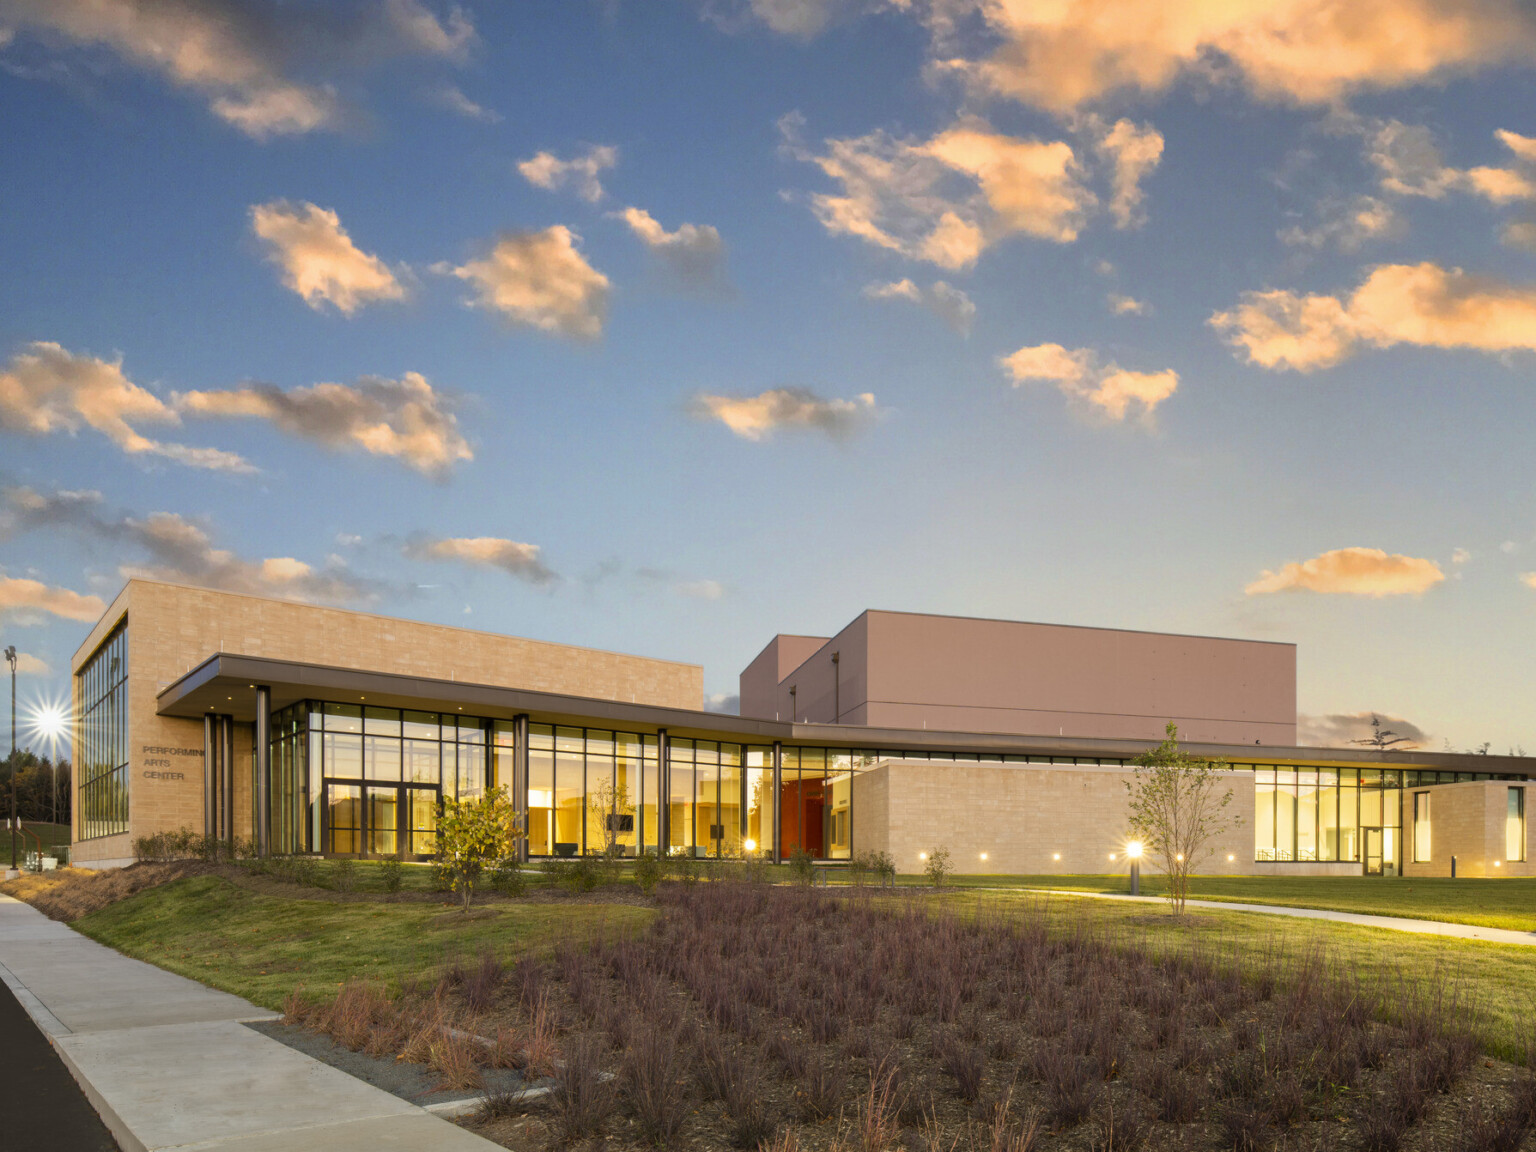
[[1373, 851], [381, 820]]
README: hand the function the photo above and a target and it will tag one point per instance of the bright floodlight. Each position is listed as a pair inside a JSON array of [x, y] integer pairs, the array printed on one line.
[[749, 845], [1133, 849], [48, 721]]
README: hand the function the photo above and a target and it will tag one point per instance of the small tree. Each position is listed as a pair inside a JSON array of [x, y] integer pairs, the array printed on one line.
[[608, 802], [1384, 739], [937, 867], [1177, 809], [472, 835]]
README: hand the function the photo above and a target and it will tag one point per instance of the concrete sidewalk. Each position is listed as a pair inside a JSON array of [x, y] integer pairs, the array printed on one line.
[[1393, 923], [168, 1063]]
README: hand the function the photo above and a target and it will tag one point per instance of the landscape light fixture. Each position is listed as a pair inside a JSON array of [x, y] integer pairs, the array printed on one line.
[[983, 855], [1133, 850], [749, 845], [1055, 855]]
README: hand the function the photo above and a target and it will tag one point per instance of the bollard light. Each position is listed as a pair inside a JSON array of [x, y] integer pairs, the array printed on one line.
[[749, 845], [1133, 850]]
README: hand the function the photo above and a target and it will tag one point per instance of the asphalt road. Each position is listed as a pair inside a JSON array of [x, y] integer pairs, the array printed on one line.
[[41, 1106]]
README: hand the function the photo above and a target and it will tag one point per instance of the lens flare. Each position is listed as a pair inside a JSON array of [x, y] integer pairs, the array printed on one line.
[[48, 721]]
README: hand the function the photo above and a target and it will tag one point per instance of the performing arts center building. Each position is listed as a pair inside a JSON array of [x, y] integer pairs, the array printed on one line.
[[303, 729]]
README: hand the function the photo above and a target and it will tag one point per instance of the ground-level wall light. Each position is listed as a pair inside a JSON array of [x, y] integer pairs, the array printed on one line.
[[983, 855], [922, 855], [1111, 855], [1180, 857], [1231, 857], [1056, 856], [1496, 863]]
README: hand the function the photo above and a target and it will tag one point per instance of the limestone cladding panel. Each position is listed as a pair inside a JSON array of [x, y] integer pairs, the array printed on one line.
[[871, 810], [1465, 821], [1024, 816]]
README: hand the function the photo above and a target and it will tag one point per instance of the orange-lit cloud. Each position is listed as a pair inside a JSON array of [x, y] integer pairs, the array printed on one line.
[[1341, 729], [47, 389], [511, 557], [1352, 572], [241, 56], [1528, 579], [319, 260], [548, 171], [1063, 56], [539, 280], [1417, 304], [405, 419], [1107, 389], [694, 253], [758, 417], [945, 301], [33, 596]]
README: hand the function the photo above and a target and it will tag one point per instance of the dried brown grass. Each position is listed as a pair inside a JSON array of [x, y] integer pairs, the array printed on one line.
[[70, 893]]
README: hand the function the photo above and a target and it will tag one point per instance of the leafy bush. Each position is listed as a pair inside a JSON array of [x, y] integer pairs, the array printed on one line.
[[390, 875], [802, 866], [507, 877], [648, 872], [343, 875], [581, 873], [473, 834], [937, 866]]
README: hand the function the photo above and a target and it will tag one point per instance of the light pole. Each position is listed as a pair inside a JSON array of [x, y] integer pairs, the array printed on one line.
[[10, 658], [1133, 850]]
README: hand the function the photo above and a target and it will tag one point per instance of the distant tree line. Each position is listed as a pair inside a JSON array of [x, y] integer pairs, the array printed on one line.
[[35, 787]]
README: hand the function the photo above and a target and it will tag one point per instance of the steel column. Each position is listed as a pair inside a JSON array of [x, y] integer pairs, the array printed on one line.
[[210, 780], [663, 795], [227, 780], [520, 779], [263, 770], [778, 795]]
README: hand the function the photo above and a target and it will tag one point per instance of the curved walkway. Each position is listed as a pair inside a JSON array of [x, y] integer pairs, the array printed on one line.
[[1393, 923]]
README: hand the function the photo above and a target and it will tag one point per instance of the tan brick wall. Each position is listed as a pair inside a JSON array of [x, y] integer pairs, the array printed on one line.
[[1467, 821], [172, 629], [1022, 817]]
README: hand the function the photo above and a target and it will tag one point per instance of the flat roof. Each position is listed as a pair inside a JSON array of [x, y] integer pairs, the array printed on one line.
[[223, 684]]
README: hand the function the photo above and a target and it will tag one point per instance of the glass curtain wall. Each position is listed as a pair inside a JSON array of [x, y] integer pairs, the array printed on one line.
[[1514, 825], [590, 789], [1307, 814], [101, 735]]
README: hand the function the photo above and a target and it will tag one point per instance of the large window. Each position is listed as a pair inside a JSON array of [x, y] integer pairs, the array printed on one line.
[[1514, 825], [101, 738], [1421, 842]]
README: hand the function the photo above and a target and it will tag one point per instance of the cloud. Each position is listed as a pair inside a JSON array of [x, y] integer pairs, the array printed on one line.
[[29, 597], [452, 98], [1106, 388], [1122, 305], [1528, 579], [944, 200], [1409, 163], [1065, 56], [1417, 304], [319, 260], [248, 58], [1346, 225], [179, 550], [30, 665], [1341, 729], [701, 589], [758, 417], [944, 300], [405, 419], [694, 253], [519, 560], [1352, 572], [1135, 152], [549, 172], [1460, 556], [728, 703], [802, 19], [47, 389], [539, 280]]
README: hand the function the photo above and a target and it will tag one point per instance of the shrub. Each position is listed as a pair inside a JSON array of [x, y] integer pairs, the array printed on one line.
[[507, 877], [582, 1098], [820, 1089], [652, 1086], [472, 834], [937, 866], [390, 875], [965, 1063], [581, 874], [802, 866], [648, 872], [343, 875], [685, 867]]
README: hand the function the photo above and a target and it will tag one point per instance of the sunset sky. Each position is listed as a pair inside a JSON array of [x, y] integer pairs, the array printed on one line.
[[665, 326]]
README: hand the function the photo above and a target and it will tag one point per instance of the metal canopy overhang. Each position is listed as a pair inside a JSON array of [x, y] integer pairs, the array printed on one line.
[[225, 684]]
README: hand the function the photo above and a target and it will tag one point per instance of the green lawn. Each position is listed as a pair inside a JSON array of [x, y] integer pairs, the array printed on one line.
[[51, 834], [1489, 903], [262, 947], [1495, 983]]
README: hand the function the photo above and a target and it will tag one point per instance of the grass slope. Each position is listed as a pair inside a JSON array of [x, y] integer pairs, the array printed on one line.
[[1495, 984], [1488, 903], [50, 834], [262, 947]]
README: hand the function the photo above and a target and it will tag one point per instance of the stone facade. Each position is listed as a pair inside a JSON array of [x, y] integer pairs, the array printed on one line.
[[1028, 819], [1467, 821], [173, 628]]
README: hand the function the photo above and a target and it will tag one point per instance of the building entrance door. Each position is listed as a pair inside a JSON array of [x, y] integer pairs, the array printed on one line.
[[1373, 851], [381, 820]]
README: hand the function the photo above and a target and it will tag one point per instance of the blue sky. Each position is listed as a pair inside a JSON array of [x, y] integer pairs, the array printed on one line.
[[1213, 319]]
